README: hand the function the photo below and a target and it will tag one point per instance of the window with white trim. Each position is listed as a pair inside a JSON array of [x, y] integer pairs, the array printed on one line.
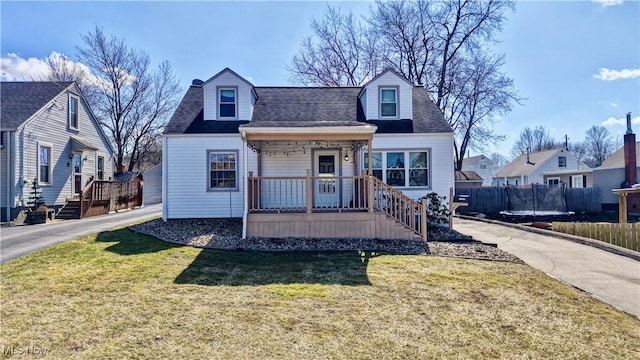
[[223, 170], [73, 112], [578, 181], [44, 164], [388, 102], [227, 101], [400, 168], [562, 161], [553, 182], [100, 168]]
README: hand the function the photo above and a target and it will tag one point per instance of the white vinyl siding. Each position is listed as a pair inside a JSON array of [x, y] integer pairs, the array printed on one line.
[[404, 96], [244, 97], [187, 176], [439, 161]]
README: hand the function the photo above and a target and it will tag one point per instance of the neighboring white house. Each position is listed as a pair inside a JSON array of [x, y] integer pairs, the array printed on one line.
[[528, 169], [49, 135], [292, 161], [484, 166], [152, 185]]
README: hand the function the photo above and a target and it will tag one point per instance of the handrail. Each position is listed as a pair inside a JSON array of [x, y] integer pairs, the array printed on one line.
[[399, 206]]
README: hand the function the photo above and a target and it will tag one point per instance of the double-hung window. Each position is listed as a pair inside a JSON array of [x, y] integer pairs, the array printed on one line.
[[223, 170], [388, 103], [562, 161], [44, 164], [227, 100], [100, 168], [400, 168], [73, 112]]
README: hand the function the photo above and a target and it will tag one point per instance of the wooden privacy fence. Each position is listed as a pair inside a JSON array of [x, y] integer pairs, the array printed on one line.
[[624, 235], [101, 197], [492, 200]]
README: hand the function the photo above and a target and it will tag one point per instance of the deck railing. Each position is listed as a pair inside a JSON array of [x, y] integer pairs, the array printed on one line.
[[101, 197], [286, 194]]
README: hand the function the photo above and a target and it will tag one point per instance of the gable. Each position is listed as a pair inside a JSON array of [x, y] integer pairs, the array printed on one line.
[[373, 96], [244, 96]]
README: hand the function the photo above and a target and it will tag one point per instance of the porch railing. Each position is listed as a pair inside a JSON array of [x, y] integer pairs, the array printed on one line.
[[334, 194]]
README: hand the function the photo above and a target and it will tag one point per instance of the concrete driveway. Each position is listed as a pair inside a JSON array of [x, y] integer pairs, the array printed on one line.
[[22, 240], [611, 278]]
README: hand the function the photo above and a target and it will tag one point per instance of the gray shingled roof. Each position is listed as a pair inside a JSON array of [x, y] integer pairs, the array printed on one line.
[[306, 107], [20, 100]]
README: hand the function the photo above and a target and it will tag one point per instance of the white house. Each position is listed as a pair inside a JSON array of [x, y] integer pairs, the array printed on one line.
[[48, 135], [529, 168], [483, 166], [294, 161]]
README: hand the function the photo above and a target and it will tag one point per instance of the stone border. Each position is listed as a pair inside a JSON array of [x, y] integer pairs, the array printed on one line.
[[618, 250]]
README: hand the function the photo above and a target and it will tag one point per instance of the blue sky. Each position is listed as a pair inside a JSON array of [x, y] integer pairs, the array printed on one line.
[[558, 52]]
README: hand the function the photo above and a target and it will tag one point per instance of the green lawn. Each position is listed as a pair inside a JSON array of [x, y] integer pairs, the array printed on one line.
[[120, 295]]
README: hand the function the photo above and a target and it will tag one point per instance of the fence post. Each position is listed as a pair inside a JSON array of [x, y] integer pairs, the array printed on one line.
[[423, 219]]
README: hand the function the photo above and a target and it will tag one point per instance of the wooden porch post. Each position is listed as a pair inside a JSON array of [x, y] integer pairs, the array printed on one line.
[[309, 191], [622, 207]]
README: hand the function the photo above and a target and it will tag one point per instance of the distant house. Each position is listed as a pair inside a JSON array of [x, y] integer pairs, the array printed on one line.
[[341, 162], [152, 189], [528, 169], [468, 179], [48, 135], [483, 166]]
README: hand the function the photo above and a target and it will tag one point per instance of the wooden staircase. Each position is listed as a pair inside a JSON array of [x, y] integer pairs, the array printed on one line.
[[71, 210]]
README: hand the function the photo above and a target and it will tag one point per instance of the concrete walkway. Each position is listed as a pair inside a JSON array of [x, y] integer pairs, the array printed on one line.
[[611, 278], [18, 241]]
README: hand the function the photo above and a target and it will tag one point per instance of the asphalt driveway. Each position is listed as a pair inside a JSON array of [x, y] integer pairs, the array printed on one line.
[[611, 278], [22, 240]]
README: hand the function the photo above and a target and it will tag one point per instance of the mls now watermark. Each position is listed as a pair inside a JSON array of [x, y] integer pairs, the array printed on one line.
[[31, 350]]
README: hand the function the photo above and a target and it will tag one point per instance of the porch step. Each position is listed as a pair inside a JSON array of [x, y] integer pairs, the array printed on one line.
[[398, 229], [71, 210]]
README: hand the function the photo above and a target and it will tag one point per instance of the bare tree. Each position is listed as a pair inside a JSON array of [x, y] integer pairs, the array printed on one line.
[[599, 144], [533, 140], [339, 54], [499, 159], [579, 150], [437, 44], [132, 102]]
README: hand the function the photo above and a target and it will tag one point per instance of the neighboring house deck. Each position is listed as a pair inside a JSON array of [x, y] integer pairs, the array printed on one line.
[[295, 161], [48, 135]]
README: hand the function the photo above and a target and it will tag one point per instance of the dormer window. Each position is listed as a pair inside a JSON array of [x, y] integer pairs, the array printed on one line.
[[388, 102], [562, 161], [227, 102]]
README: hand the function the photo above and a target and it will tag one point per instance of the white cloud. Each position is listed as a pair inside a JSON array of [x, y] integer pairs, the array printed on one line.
[[605, 3], [614, 104], [609, 75], [15, 68], [622, 121]]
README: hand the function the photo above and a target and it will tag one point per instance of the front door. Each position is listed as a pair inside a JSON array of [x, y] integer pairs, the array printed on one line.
[[326, 186], [77, 173]]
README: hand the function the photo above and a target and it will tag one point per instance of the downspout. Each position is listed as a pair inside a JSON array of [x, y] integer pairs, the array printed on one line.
[[9, 179], [164, 177], [21, 168], [245, 185]]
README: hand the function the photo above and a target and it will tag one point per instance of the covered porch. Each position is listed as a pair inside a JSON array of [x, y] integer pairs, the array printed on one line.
[[315, 182]]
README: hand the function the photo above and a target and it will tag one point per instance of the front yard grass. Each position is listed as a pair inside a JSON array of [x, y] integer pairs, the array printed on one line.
[[120, 295]]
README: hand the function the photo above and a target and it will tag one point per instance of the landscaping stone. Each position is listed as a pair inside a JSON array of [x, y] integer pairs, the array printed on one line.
[[227, 234]]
